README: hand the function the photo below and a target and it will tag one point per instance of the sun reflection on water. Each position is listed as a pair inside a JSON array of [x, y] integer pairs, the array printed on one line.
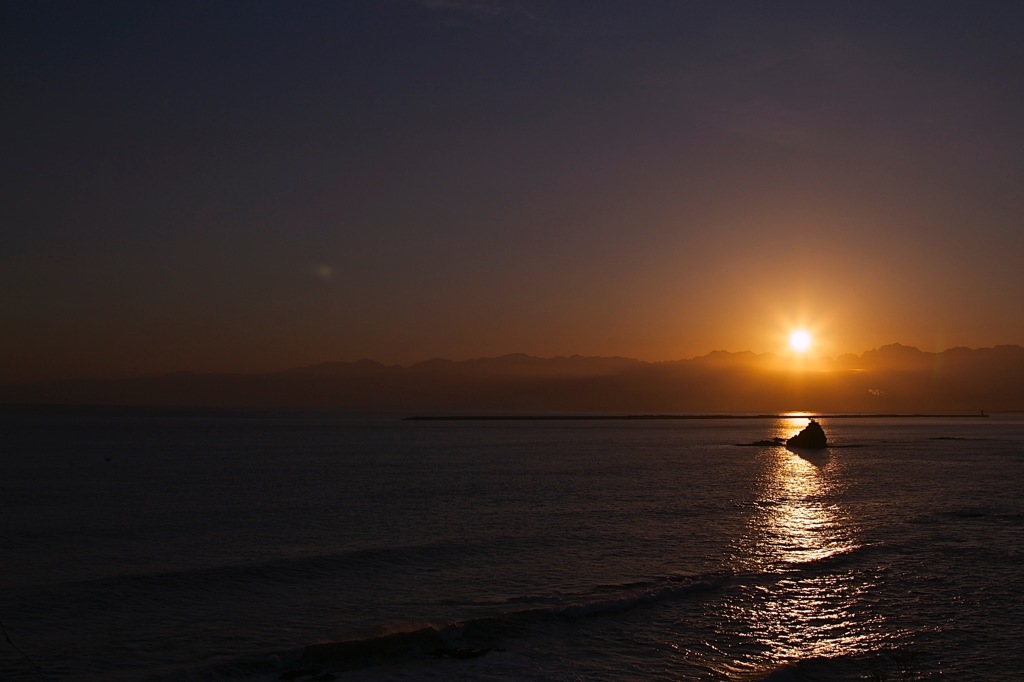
[[805, 602], [796, 522], [790, 424]]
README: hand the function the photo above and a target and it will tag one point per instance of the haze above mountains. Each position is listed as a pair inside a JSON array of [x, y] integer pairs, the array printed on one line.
[[893, 378]]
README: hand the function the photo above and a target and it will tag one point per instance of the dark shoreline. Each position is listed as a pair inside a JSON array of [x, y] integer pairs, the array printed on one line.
[[599, 417]]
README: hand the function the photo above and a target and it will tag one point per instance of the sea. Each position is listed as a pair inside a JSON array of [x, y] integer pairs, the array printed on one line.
[[201, 546]]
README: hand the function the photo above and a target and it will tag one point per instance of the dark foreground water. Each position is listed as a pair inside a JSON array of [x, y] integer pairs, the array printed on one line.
[[175, 547]]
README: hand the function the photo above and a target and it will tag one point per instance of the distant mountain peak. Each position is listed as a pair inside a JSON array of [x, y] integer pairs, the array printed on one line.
[[894, 377]]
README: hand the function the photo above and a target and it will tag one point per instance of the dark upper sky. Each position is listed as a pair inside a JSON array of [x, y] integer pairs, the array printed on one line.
[[257, 185]]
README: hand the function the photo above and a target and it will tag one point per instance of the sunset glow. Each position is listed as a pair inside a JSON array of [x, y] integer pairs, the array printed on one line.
[[696, 184], [517, 339]]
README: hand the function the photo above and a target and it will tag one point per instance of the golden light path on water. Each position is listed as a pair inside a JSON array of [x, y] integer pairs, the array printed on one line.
[[808, 604]]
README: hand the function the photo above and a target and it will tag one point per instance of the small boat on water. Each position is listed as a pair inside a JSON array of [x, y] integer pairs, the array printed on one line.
[[811, 437]]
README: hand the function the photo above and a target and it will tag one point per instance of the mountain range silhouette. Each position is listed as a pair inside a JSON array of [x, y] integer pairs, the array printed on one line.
[[892, 378]]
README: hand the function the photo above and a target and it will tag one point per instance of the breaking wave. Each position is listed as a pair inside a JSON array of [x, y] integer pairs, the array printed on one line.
[[394, 644]]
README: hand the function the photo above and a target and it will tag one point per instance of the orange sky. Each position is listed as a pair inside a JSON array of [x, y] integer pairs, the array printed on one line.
[[193, 188]]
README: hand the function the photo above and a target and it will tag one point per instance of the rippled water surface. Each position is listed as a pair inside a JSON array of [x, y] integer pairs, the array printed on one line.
[[184, 547]]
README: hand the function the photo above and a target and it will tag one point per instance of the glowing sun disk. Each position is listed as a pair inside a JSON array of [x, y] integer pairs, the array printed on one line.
[[799, 340]]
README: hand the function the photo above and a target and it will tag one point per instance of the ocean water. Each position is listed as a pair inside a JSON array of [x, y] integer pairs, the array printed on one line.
[[175, 546]]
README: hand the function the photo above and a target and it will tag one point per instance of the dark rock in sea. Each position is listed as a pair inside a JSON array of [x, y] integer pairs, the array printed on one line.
[[811, 437], [762, 443]]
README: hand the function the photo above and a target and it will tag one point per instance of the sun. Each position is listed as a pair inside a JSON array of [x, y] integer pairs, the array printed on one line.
[[799, 340]]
